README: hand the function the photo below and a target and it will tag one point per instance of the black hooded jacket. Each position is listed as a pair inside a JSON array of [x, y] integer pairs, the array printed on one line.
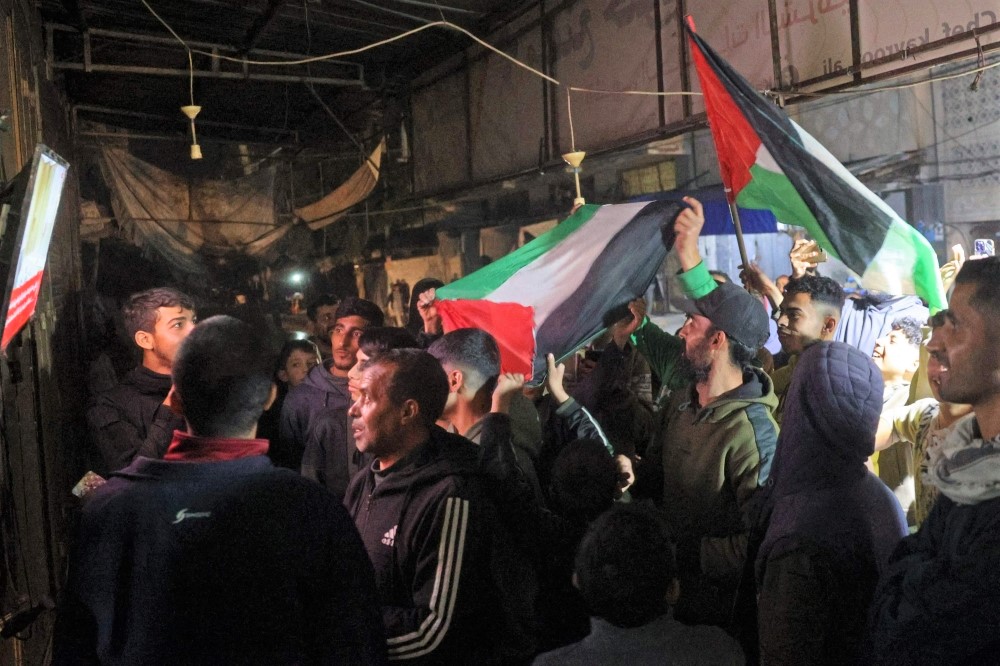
[[131, 420], [431, 533], [832, 523]]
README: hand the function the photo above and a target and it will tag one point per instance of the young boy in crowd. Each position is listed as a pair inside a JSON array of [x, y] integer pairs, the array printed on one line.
[[626, 571], [295, 360]]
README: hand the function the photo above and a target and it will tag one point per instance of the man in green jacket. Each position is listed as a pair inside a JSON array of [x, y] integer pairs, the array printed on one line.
[[716, 435]]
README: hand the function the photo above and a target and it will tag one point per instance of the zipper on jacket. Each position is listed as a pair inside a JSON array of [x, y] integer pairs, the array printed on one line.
[[368, 510]]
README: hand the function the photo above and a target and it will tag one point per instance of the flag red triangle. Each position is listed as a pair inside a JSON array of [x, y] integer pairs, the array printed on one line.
[[735, 141]]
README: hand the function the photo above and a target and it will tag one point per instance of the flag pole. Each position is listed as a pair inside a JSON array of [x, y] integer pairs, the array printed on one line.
[[734, 211]]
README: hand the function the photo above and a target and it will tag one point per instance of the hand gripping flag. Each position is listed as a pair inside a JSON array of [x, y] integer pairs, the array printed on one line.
[[769, 162], [550, 295]]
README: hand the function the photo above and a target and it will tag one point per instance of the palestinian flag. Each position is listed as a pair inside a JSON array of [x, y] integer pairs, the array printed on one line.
[[769, 162], [550, 295]]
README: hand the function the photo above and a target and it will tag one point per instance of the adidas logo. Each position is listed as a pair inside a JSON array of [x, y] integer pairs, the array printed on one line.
[[389, 538]]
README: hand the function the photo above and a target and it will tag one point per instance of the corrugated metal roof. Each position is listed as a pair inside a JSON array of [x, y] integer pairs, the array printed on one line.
[[237, 26]]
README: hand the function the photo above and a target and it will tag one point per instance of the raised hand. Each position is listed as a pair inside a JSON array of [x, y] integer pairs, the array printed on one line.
[[426, 306], [951, 269], [803, 256], [554, 379], [508, 383], [622, 330], [626, 477], [756, 280], [687, 228]]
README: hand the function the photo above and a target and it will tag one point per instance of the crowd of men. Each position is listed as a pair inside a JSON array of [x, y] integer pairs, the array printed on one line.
[[397, 497]]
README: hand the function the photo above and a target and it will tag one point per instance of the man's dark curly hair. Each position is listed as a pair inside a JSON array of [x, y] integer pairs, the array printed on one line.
[[821, 290], [140, 309], [910, 327]]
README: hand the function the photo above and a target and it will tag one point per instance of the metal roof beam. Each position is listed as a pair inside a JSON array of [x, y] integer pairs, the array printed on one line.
[[237, 71], [72, 8], [260, 25]]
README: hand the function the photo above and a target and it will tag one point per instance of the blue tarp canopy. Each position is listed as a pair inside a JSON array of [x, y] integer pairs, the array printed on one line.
[[717, 219]]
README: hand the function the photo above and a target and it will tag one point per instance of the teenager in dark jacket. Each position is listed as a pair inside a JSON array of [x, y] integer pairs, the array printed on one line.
[[295, 360], [212, 555], [325, 390], [832, 523], [423, 514], [130, 419], [471, 359]]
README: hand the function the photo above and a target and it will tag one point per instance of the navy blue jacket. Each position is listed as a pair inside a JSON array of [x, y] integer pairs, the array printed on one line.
[[229, 562], [939, 601], [832, 523]]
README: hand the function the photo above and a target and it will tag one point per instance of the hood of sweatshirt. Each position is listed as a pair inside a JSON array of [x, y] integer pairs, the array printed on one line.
[[320, 379], [831, 413], [756, 388]]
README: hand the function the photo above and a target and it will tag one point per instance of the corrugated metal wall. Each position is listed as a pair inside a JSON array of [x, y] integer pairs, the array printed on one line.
[[41, 384]]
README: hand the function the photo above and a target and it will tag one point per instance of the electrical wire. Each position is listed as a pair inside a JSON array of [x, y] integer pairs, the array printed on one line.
[[444, 24], [451, 26], [900, 86], [569, 112], [312, 89], [652, 93], [184, 44]]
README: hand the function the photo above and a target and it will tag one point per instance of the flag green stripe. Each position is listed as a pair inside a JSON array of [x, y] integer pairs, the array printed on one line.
[[906, 254], [773, 191], [904, 263], [487, 279]]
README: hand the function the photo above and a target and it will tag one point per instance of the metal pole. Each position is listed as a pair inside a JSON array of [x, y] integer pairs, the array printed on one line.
[[739, 229]]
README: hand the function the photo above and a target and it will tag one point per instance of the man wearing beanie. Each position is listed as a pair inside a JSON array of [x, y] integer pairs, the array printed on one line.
[[717, 434]]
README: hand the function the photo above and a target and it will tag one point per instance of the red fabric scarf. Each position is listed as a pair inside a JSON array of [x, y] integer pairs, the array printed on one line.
[[192, 448]]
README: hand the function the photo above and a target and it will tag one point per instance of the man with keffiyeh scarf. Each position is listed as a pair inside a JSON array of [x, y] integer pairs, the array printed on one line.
[[940, 599]]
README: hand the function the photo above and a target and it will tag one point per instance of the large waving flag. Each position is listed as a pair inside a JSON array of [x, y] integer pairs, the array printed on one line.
[[769, 162], [550, 295]]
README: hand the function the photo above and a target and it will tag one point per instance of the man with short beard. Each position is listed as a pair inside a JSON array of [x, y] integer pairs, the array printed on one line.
[[325, 387], [939, 598], [717, 435], [922, 422]]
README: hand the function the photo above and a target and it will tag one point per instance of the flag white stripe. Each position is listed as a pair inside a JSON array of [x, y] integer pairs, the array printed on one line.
[[548, 282]]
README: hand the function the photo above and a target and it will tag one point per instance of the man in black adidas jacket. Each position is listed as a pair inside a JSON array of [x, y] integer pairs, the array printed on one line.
[[424, 518]]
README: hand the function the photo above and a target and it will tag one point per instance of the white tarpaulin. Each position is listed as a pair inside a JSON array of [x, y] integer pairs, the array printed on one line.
[[183, 219], [353, 191]]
